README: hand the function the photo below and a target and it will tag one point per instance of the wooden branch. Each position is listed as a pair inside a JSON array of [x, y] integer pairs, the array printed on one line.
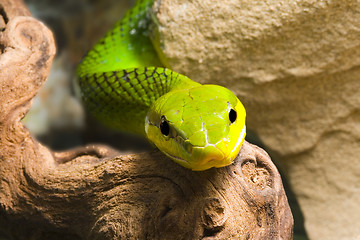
[[95, 193]]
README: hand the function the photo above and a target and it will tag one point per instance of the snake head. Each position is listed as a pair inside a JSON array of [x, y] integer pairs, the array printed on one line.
[[199, 128]]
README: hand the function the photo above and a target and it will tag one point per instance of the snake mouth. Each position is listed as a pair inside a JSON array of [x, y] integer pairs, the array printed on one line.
[[178, 159]]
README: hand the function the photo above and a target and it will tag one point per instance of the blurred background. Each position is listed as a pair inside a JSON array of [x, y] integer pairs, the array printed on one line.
[[57, 117]]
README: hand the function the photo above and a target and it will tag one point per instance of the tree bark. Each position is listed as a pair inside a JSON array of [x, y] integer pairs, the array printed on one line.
[[94, 192]]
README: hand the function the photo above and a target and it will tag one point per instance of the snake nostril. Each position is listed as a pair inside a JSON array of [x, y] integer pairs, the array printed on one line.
[[189, 147]]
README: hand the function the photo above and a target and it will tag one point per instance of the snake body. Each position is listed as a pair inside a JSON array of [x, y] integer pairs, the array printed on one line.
[[125, 86]]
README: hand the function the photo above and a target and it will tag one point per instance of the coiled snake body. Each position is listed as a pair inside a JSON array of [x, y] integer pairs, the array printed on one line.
[[124, 85]]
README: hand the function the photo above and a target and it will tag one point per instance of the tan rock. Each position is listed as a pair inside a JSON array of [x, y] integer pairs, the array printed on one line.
[[295, 66]]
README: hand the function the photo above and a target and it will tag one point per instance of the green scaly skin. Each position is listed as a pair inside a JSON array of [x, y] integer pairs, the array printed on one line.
[[124, 86]]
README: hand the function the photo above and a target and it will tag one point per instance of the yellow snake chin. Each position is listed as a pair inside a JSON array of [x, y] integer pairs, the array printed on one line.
[[222, 153], [238, 145]]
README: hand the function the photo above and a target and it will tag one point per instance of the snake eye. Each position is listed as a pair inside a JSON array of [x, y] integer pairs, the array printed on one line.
[[232, 115], [164, 126]]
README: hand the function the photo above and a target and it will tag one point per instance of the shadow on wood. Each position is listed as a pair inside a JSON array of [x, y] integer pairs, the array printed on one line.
[[95, 193]]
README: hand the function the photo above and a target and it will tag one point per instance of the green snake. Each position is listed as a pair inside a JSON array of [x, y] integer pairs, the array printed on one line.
[[126, 87]]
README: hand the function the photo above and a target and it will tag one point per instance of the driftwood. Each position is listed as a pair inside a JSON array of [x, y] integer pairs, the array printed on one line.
[[95, 193]]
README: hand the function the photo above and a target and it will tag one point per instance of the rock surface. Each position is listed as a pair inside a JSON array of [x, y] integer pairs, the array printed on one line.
[[296, 67]]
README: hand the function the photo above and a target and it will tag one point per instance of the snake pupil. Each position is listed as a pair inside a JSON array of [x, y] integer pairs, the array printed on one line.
[[164, 127], [232, 115]]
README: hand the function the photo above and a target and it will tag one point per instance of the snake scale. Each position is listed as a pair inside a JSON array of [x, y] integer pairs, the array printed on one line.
[[125, 86]]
